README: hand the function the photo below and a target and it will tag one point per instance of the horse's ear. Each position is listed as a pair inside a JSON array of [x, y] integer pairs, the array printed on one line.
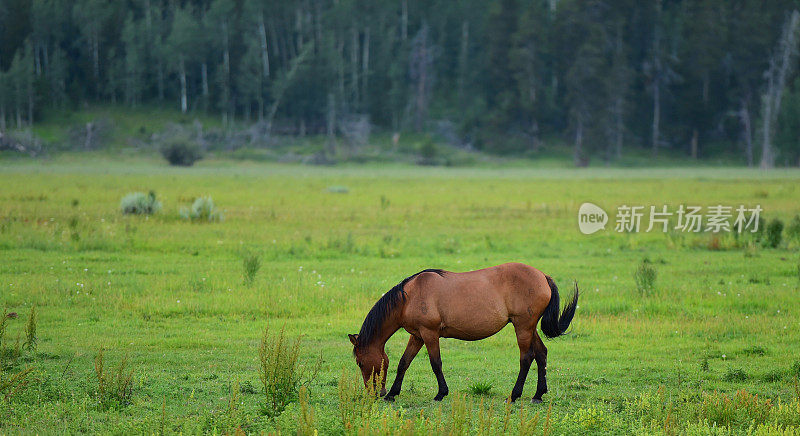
[[353, 339]]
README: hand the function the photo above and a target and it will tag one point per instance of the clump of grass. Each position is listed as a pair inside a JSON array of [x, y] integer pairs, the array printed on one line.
[[772, 376], [460, 409], [250, 265], [30, 331], [202, 209], [755, 350], [735, 375], [305, 426], [645, 276], [114, 387], [278, 370], [774, 233], [480, 388], [3, 324], [14, 383], [139, 203], [742, 408], [793, 229], [704, 364], [355, 402]]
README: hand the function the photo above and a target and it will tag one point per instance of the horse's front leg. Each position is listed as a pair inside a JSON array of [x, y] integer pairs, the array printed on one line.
[[413, 347], [432, 344]]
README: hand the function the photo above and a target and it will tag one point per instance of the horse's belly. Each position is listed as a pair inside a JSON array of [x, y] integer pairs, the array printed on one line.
[[473, 327]]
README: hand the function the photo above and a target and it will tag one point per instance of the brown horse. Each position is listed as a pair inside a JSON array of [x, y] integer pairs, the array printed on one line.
[[433, 304]]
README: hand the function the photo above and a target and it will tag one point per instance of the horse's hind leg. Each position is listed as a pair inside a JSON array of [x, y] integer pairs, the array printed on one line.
[[526, 355], [540, 354], [414, 344]]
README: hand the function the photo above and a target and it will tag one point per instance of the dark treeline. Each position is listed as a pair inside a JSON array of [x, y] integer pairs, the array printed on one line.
[[706, 77]]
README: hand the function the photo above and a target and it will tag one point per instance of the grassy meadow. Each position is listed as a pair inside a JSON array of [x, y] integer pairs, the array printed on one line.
[[713, 348]]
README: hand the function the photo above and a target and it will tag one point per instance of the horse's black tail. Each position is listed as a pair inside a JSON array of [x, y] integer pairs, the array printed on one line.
[[554, 325]]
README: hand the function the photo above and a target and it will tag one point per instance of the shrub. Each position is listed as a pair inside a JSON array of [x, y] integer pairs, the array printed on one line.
[[139, 203], [114, 388], [645, 276], [774, 233], [251, 264], [793, 229], [202, 210], [480, 388], [278, 371], [735, 375], [181, 153]]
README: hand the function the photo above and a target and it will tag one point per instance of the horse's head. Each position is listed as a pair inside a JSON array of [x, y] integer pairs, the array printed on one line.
[[373, 362]]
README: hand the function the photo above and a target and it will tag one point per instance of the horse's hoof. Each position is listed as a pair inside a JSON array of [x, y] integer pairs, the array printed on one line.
[[389, 399], [438, 398], [536, 400]]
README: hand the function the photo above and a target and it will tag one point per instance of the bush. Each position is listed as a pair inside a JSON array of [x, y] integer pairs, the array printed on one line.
[[429, 153], [279, 371], [202, 210], [181, 153], [793, 229], [139, 203], [735, 375], [774, 233], [645, 276]]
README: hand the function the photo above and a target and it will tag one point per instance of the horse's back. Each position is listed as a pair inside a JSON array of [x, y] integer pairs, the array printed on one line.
[[476, 304]]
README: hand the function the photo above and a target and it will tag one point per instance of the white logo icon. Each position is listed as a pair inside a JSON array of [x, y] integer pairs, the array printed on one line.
[[591, 218]]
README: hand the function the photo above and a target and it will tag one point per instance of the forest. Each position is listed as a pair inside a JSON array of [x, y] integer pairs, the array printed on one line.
[[703, 78]]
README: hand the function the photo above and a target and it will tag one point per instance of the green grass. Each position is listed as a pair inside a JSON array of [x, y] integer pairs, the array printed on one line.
[[713, 345]]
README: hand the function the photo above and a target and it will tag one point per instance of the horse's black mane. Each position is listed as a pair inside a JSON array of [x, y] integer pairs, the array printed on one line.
[[385, 305]]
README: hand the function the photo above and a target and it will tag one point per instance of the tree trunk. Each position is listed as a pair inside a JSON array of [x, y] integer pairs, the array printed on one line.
[[578, 153], [365, 64], [226, 63], [656, 115], [182, 73], [657, 76], [96, 61], [404, 21], [204, 79], [87, 143], [330, 143], [744, 117], [421, 83], [779, 70], [160, 80], [262, 30], [30, 101], [619, 127], [354, 66], [694, 144], [463, 62]]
